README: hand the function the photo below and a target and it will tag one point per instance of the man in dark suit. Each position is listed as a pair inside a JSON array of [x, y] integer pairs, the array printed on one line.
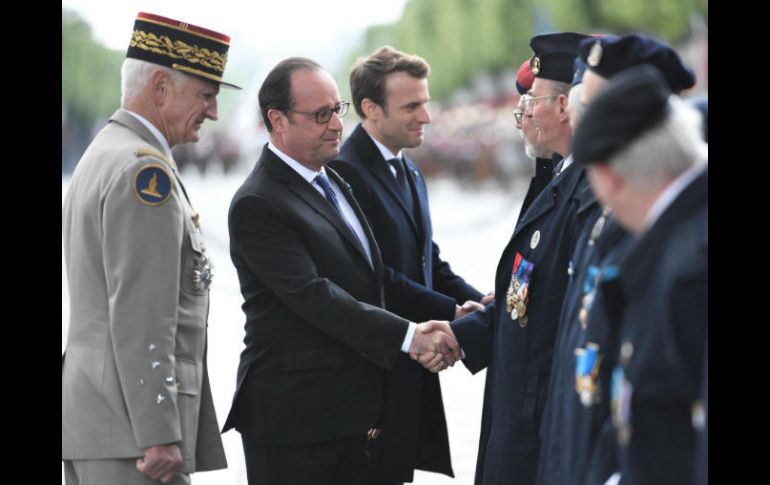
[[311, 378], [646, 161], [390, 94]]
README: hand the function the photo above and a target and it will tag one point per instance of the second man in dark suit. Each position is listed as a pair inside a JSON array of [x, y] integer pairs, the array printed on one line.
[[390, 94], [311, 378]]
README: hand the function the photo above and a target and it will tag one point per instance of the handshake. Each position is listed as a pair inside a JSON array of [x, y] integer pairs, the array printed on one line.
[[434, 344]]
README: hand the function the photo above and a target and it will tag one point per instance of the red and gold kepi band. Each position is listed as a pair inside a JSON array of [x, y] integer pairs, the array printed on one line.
[[188, 48]]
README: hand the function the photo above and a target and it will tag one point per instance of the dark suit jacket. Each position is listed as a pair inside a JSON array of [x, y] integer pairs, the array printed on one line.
[[419, 286], [665, 320], [519, 358], [317, 340]]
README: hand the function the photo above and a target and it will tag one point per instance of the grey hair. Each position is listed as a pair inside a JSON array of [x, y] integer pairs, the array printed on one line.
[[557, 87], [576, 108], [134, 74], [665, 151]]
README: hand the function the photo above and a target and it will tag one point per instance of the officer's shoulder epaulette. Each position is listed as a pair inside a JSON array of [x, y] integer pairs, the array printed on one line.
[[150, 152]]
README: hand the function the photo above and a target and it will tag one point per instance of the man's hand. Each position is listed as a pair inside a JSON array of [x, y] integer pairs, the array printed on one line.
[[469, 306], [434, 345], [488, 298], [373, 433], [160, 462]]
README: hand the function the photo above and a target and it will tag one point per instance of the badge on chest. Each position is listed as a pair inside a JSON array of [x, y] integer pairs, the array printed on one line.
[[587, 363], [517, 297]]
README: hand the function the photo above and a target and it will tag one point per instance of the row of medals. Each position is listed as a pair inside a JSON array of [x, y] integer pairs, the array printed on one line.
[[515, 301]]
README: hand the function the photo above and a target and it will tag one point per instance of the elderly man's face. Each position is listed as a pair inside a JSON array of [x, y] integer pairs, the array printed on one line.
[[529, 132], [189, 104], [544, 109]]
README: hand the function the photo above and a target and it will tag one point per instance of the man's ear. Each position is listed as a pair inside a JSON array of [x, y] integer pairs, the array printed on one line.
[[278, 119], [563, 101], [372, 110], [159, 84]]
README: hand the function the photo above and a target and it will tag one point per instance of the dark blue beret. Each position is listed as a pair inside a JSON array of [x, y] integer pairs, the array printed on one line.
[[554, 55], [607, 56], [633, 102]]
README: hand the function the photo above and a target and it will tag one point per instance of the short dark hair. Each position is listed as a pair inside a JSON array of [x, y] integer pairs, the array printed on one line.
[[275, 92], [367, 77]]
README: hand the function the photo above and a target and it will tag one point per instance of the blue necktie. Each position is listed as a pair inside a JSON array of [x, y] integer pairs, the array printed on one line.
[[332, 198], [328, 192]]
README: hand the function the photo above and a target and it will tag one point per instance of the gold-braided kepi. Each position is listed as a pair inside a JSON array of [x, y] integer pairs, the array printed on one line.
[[188, 48]]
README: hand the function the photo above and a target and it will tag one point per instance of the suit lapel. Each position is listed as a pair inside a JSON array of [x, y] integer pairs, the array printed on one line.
[[310, 196], [379, 168], [420, 198], [347, 191]]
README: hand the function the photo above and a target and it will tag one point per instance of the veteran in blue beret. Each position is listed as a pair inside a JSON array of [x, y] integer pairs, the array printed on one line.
[[136, 401], [646, 161], [573, 447], [514, 337], [607, 56]]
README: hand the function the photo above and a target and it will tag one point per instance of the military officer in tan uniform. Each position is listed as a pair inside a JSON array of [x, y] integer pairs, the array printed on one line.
[[136, 401]]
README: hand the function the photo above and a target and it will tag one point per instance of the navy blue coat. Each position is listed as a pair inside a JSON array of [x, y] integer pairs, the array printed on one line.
[[543, 175], [419, 286], [518, 359], [570, 430], [662, 334]]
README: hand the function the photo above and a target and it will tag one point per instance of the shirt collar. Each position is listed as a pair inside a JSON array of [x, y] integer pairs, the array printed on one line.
[[385, 151], [156, 133], [302, 170]]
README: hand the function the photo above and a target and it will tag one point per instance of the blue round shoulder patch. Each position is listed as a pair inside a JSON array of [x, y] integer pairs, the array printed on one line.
[[153, 184]]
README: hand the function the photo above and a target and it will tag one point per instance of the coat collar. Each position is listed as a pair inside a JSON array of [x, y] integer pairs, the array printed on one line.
[[562, 186], [378, 166]]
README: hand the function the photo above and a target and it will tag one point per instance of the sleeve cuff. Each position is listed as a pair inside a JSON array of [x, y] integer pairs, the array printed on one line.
[[408, 339]]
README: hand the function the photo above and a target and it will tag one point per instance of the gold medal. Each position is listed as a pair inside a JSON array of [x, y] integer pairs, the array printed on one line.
[[521, 308]]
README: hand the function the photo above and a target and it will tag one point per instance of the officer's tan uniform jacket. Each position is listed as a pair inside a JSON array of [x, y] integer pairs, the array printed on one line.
[[135, 374]]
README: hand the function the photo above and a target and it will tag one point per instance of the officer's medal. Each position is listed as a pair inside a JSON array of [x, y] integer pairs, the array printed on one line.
[[622, 391], [587, 363], [202, 274], [517, 296]]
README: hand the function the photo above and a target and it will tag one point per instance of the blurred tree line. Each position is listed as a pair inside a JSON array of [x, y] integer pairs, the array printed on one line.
[[90, 85], [461, 38]]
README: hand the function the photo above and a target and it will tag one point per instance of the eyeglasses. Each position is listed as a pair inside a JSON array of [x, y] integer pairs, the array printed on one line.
[[324, 115], [529, 103]]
